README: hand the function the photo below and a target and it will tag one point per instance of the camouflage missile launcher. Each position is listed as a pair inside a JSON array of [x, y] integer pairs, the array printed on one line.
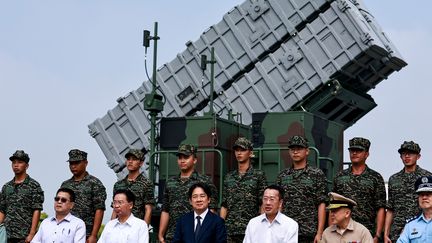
[[284, 56]]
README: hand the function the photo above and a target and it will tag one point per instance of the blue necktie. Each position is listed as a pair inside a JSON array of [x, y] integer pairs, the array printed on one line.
[[198, 227]]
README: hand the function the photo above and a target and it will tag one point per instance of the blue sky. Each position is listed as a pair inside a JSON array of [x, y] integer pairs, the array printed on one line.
[[64, 63]]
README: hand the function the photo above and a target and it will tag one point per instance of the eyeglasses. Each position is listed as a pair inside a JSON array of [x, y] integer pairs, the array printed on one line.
[[271, 199], [356, 151], [119, 203], [61, 199]]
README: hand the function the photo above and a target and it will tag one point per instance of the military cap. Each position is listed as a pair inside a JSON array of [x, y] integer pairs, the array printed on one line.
[[20, 155], [409, 146], [359, 143], [298, 141], [138, 153], [186, 149], [423, 184], [76, 155], [338, 201], [243, 143]]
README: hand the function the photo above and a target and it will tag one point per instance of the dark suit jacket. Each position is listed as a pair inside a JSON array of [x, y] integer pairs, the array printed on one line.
[[212, 229]]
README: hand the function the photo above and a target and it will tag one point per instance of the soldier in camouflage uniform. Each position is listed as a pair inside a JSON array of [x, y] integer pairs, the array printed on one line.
[[242, 191], [138, 184], [90, 194], [21, 201], [175, 197], [365, 186], [402, 202], [305, 192]]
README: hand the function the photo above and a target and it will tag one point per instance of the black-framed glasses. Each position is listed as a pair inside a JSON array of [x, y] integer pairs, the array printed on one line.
[[61, 199]]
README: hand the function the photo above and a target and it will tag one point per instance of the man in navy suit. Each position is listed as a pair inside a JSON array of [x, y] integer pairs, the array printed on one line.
[[200, 225]]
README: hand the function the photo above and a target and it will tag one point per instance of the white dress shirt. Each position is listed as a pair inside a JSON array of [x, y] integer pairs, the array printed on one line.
[[202, 217], [132, 230], [283, 229], [70, 230]]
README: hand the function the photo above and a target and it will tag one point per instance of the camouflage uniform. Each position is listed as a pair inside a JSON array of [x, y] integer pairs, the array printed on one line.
[[143, 190], [242, 198], [402, 199], [176, 200], [90, 196], [304, 190], [18, 202], [367, 189]]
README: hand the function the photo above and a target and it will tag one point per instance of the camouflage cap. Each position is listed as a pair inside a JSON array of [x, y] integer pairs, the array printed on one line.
[[298, 141], [76, 155], [186, 149], [409, 146], [243, 143], [423, 184], [20, 155], [338, 201], [138, 153], [359, 143]]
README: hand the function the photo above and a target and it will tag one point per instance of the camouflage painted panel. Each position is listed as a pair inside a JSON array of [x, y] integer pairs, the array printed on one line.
[[367, 190], [242, 197], [18, 203], [402, 199], [304, 190], [142, 188], [90, 195], [274, 130]]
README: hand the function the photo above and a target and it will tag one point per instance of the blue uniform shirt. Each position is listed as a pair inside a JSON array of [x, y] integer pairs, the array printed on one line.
[[418, 230]]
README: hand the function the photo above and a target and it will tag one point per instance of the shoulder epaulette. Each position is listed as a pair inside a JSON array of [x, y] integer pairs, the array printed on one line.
[[411, 219]]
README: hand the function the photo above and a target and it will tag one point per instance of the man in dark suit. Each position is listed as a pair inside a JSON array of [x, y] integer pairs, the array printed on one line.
[[200, 225]]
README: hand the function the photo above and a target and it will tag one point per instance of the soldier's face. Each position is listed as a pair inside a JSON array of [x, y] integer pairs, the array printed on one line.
[[78, 167], [358, 156], [199, 201], [19, 167], [62, 203], [409, 158], [272, 202], [133, 163], [425, 200], [186, 163], [242, 155], [339, 215], [298, 154]]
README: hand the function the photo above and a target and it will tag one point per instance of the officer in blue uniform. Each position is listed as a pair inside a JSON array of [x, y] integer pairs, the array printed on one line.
[[420, 229]]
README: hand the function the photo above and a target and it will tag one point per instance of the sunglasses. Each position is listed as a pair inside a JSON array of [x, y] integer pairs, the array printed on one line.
[[61, 199]]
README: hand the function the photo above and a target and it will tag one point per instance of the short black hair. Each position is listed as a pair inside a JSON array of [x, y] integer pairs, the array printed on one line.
[[277, 188], [204, 186], [68, 191], [130, 196]]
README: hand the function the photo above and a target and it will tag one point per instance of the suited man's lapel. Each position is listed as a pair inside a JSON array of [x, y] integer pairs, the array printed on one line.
[[190, 227], [205, 225]]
